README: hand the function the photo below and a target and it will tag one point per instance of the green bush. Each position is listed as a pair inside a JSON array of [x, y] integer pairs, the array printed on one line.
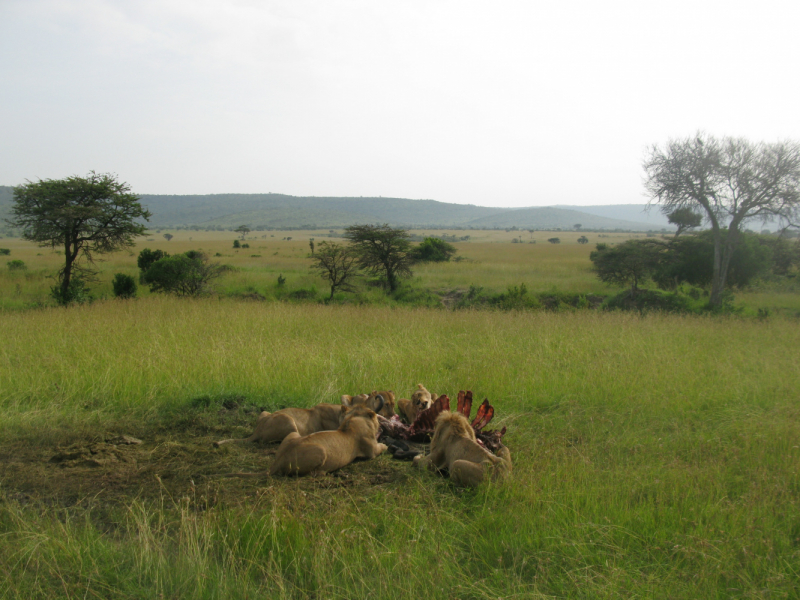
[[433, 250], [187, 274], [236, 244], [16, 265], [5, 251], [77, 292], [147, 257], [124, 286]]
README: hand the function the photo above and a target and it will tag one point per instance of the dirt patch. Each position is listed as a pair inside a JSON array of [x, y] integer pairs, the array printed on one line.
[[113, 469]]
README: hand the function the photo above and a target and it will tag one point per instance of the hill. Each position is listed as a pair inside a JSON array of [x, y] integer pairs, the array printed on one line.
[[282, 211]]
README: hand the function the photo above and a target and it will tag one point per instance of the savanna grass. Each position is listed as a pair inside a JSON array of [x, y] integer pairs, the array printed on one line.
[[653, 456]]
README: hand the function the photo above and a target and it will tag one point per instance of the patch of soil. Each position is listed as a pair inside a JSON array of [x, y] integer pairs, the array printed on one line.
[[111, 470]]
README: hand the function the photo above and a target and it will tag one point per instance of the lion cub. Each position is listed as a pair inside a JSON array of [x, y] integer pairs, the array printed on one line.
[[454, 448], [372, 401], [273, 427], [420, 400], [328, 451]]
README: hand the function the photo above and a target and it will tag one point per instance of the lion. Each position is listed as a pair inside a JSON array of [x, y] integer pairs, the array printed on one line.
[[454, 448], [274, 427], [420, 400], [372, 400], [327, 451]]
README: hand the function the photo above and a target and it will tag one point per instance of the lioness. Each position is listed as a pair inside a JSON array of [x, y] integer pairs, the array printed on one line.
[[454, 448], [420, 400], [273, 427], [328, 451], [372, 402]]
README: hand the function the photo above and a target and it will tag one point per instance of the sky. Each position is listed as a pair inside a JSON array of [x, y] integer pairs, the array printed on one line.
[[502, 103]]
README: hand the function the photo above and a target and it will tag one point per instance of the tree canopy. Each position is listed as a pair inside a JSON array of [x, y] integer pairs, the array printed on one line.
[[730, 181], [383, 251], [83, 216]]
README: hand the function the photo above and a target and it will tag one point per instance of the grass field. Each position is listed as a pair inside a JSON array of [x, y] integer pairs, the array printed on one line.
[[654, 456]]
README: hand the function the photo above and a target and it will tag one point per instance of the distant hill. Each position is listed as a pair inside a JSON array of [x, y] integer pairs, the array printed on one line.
[[283, 211], [627, 212], [273, 211], [554, 218]]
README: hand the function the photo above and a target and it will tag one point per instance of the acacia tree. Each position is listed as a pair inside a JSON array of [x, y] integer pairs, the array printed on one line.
[[337, 265], [243, 229], [685, 219], [730, 181], [630, 262], [84, 216], [382, 250]]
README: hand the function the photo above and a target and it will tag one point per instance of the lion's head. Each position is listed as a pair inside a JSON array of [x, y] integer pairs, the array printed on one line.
[[451, 425], [421, 398], [354, 417]]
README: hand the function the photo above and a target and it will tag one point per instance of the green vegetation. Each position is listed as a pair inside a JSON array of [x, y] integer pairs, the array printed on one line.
[[653, 456], [84, 216], [124, 286], [189, 274], [730, 181]]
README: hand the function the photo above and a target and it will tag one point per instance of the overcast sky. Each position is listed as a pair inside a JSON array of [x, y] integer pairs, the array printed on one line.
[[525, 103]]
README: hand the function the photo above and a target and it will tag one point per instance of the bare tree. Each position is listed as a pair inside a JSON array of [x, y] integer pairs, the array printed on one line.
[[337, 265], [731, 181]]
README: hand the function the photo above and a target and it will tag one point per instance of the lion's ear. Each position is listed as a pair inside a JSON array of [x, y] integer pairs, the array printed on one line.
[[344, 408], [346, 401], [420, 386]]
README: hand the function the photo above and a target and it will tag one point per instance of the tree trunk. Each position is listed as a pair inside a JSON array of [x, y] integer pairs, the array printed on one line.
[[67, 273]]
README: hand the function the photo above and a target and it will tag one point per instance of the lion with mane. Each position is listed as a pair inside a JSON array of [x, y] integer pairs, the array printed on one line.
[[454, 448]]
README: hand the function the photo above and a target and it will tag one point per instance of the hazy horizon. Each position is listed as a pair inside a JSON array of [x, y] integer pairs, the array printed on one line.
[[513, 104]]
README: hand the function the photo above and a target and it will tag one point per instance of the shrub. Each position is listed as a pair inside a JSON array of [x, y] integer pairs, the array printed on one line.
[[433, 250], [16, 265], [187, 274], [5, 251], [236, 244], [76, 292], [281, 280], [124, 286], [554, 240], [147, 257]]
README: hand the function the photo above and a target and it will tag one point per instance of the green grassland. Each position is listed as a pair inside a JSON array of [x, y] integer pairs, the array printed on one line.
[[655, 456]]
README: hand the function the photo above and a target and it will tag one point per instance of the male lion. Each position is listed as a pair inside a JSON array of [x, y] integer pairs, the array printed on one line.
[[273, 427], [327, 451], [420, 400], [372, 401], [454, 448]]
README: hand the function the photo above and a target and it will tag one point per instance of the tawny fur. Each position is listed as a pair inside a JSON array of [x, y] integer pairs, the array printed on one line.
[[274, 427], [454, 448], [372, 401], [328, 451], [420, 400]]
